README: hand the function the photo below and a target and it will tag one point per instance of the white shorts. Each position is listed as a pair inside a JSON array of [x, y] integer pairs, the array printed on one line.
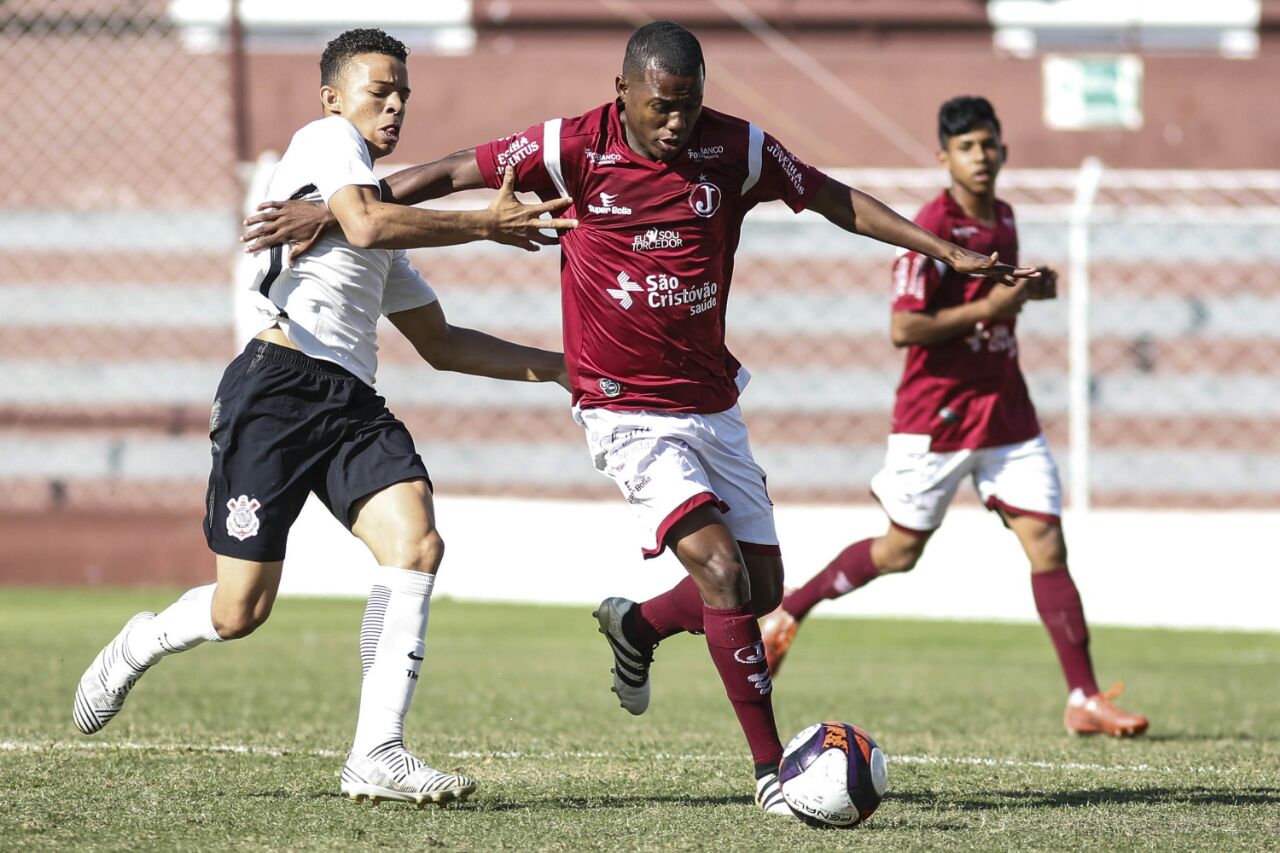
[[667, 465], [916, 486]]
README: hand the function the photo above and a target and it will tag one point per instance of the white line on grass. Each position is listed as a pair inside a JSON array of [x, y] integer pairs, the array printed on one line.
[[131, 746]]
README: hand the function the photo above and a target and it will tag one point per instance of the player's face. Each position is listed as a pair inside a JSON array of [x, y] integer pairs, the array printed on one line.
[[659, 111], [371, 92], [974, 159]]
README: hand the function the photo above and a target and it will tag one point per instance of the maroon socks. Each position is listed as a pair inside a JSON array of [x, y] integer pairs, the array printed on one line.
[[733, 638], [1058, 602], [678, 609], [848, 571]]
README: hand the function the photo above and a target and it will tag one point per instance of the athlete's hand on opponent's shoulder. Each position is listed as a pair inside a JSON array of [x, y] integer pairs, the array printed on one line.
[[299, 223], [989, 266], [518, 224]]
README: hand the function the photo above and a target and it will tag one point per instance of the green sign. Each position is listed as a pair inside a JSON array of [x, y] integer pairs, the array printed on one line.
[[1092, 92]]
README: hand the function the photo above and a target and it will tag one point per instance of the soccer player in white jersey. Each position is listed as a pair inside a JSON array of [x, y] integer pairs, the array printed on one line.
[[296, 413], [662, 187]]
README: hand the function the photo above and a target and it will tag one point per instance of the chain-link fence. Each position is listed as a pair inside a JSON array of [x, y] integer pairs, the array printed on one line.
[[118, 211], [118, 214], [1151, 373]]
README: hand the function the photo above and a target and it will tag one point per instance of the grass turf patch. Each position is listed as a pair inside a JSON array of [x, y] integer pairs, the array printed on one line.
[[238, 746]]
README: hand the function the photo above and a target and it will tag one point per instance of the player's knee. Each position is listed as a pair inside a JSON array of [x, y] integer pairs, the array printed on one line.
[[240, 621], [898, 560], [722, 574], [1047, 554], [1046, 547], [423, 554]]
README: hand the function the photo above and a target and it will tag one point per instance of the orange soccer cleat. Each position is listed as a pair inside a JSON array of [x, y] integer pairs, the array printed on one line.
[[1096, 715], [777, 630]]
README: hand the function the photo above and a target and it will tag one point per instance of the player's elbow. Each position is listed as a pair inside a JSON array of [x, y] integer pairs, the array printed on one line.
[[439, 352], [363, 226], [440, 359], [901, 337], [362, 234], [909, 329]]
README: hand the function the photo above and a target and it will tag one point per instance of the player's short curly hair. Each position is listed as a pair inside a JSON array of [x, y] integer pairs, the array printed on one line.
[[353, 43], [963, 114], [664, 45]]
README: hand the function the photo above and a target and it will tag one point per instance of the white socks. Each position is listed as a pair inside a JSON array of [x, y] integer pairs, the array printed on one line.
[[392, 646], [183, 625]]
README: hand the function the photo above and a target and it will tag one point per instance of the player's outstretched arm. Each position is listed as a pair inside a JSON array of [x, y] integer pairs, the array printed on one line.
[[448, 347], [369, 222], [860, 213], [300, 223]]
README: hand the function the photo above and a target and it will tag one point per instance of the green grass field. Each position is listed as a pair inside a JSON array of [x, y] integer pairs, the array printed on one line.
[[239, 746]]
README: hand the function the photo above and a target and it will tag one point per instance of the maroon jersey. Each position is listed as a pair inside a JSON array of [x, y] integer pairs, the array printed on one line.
[[966, 392], [645, 275]]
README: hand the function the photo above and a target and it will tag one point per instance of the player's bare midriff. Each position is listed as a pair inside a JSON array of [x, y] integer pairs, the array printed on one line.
[[275, 335]]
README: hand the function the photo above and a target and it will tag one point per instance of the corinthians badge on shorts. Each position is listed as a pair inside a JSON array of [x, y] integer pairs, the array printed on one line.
[[243, 520]]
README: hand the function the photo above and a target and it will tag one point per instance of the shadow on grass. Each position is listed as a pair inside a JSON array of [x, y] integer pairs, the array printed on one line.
[[1206, 737], [1096, 797], [604, 801]]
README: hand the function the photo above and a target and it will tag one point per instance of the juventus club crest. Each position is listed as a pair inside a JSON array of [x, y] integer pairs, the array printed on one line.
[[242, 522], [704, 198]]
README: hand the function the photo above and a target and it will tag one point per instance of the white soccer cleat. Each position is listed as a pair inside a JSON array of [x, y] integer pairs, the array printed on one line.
[[107, 682], [769, 796], [391, 772], [630, 665]]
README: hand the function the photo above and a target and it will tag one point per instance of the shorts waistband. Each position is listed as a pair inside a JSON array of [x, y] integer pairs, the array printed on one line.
[[295, 358]]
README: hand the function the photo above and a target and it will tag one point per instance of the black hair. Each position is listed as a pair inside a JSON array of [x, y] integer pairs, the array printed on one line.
[[353, 43], [964, 114], [664, 45]]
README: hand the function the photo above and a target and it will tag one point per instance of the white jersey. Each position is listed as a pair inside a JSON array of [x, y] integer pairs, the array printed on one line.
[[330, 300]]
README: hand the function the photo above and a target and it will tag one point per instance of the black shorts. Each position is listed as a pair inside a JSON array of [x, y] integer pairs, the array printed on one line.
[[283, 425]]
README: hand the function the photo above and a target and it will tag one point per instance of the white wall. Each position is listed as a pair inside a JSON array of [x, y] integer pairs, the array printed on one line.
[[1181, 569]]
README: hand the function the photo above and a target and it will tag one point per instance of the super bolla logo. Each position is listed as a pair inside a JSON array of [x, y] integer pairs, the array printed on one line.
[[704, 198]]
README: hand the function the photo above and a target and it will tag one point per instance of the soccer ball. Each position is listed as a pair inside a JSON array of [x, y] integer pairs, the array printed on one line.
[[833, 774]]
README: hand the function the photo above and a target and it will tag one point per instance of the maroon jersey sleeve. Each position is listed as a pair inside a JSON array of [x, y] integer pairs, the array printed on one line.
[[524, 152], [915, 276], [783, 176]]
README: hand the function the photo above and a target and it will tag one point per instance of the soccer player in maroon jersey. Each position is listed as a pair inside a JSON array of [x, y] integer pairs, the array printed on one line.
[[963, 411], [660, 187]]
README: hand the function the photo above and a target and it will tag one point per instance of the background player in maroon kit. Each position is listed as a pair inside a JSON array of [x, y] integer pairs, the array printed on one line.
[[660, 188], [963, 411]]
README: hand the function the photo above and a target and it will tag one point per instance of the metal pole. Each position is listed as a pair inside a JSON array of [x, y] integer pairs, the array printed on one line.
[[1078, 402], [239, 109]]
